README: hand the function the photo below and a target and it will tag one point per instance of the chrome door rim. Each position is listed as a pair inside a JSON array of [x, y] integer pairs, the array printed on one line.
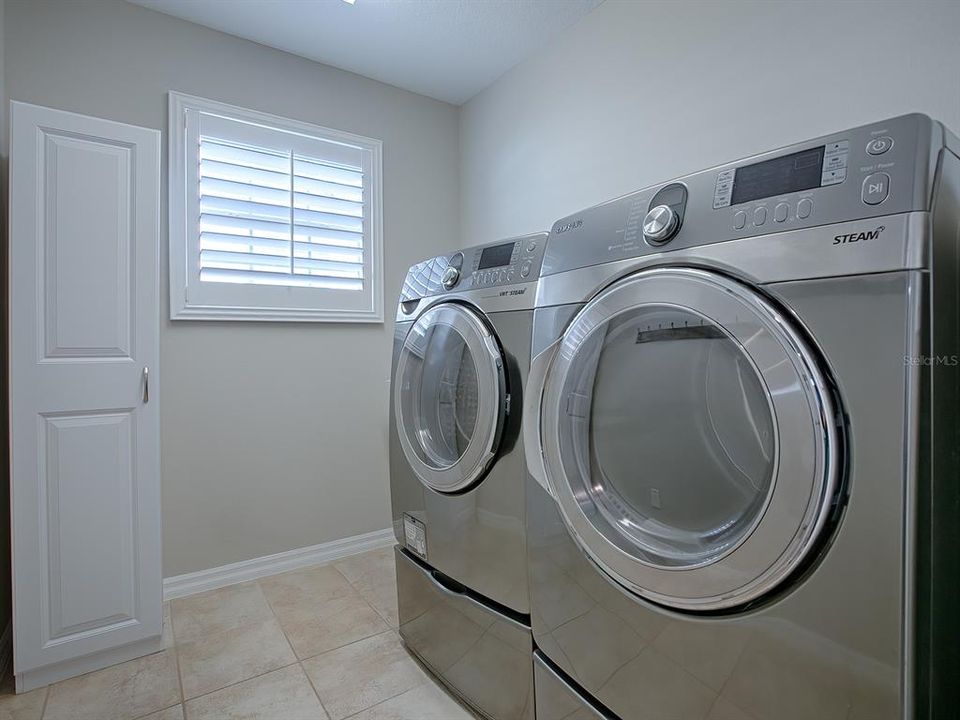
[[806, 474], [482, 446]]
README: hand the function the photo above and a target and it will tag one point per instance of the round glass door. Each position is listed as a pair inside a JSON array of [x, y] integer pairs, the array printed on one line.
[[689, 439], [450, 392]]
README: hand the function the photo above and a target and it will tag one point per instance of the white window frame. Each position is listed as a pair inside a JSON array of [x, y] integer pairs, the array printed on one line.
[[225, 301]]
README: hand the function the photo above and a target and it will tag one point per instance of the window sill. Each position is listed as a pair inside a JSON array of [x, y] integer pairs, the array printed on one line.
[[276, 315]]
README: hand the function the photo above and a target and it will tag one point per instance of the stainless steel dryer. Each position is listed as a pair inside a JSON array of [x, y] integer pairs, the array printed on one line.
[[742, 430], [457, 470]]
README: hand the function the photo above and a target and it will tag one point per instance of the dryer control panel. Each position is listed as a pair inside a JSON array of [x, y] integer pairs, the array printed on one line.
[[870, 171]]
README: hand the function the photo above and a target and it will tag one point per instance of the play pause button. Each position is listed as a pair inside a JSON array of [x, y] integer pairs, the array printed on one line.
[[876, 187]]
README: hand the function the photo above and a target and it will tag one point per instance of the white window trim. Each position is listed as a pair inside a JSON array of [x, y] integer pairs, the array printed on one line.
[[181, 264]]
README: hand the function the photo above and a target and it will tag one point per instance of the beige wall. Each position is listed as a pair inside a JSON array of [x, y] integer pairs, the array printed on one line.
[[640, 92], [274, 435]]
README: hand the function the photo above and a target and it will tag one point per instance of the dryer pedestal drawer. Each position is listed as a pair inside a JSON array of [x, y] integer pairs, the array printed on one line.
[[559, 700], [481, 654]]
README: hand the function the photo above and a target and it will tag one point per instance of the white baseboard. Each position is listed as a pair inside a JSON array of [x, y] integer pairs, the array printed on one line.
[[6, 651], [218, 577]]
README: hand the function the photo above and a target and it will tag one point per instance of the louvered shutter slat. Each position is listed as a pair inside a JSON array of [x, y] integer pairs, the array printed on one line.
[[326, 236], [267, 278]]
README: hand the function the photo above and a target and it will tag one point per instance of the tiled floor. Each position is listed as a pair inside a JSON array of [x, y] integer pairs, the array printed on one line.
[[310, 644]]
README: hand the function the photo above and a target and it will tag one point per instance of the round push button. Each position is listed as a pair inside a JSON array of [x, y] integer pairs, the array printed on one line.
[[525, 269], [780, 212], [759, 216], [878, 146], [804, 208], [739, 220]]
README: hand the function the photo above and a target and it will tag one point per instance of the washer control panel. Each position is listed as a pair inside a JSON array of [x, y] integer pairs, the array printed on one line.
[[509, 262], [880, 169], [498, 264], [516, 261]]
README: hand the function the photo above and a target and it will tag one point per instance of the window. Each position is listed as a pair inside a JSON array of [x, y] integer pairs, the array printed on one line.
[[271, 219]]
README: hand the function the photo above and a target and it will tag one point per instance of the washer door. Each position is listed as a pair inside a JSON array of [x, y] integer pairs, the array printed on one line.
[[450, 396], [689, 439]]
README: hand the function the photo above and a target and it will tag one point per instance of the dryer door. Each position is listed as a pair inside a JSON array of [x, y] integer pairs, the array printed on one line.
[[689, 439], [450, 394]]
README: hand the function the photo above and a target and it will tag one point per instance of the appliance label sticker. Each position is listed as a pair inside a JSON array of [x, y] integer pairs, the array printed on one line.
[[415, 535]]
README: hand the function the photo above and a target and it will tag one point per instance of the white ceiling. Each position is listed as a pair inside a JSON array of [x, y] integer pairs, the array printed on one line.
[[445, 49]]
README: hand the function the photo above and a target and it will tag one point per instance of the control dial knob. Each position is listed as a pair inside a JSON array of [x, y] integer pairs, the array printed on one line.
[[660, 224], [451, 276]]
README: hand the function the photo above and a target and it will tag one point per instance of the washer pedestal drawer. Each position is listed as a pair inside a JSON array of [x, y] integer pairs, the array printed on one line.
[[481, 654], [557, 699]]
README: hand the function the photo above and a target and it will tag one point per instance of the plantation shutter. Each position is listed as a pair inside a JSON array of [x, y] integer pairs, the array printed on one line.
[[277, 208]]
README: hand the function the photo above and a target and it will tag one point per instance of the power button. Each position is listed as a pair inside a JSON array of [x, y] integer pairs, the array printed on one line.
[[878, 146]]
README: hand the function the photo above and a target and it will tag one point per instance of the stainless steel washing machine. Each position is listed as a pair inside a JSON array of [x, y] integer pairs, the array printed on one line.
[[742, 433], [457, 470]]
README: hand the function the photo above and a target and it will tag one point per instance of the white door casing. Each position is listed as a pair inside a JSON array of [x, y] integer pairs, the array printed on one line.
[[84, 322]]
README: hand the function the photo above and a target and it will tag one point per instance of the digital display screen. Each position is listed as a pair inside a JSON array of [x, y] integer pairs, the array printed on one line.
[[496, 256], [790, 173]]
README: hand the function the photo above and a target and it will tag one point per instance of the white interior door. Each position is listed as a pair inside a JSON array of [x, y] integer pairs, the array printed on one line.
[[84, 320]]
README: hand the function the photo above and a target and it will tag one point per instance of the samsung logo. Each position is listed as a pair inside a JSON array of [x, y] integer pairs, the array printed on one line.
[[858, 237], [569, 226]]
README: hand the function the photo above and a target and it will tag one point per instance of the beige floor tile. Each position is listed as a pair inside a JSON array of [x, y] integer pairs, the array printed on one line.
[[374, 575], [225, 658], [426, 702], [167, 626], [306, 587], [171, 713], [25, 706], [124, 691], [360, 675], [218, 610], [283, 694], [370, 569], [383, 598], [330, 624]]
